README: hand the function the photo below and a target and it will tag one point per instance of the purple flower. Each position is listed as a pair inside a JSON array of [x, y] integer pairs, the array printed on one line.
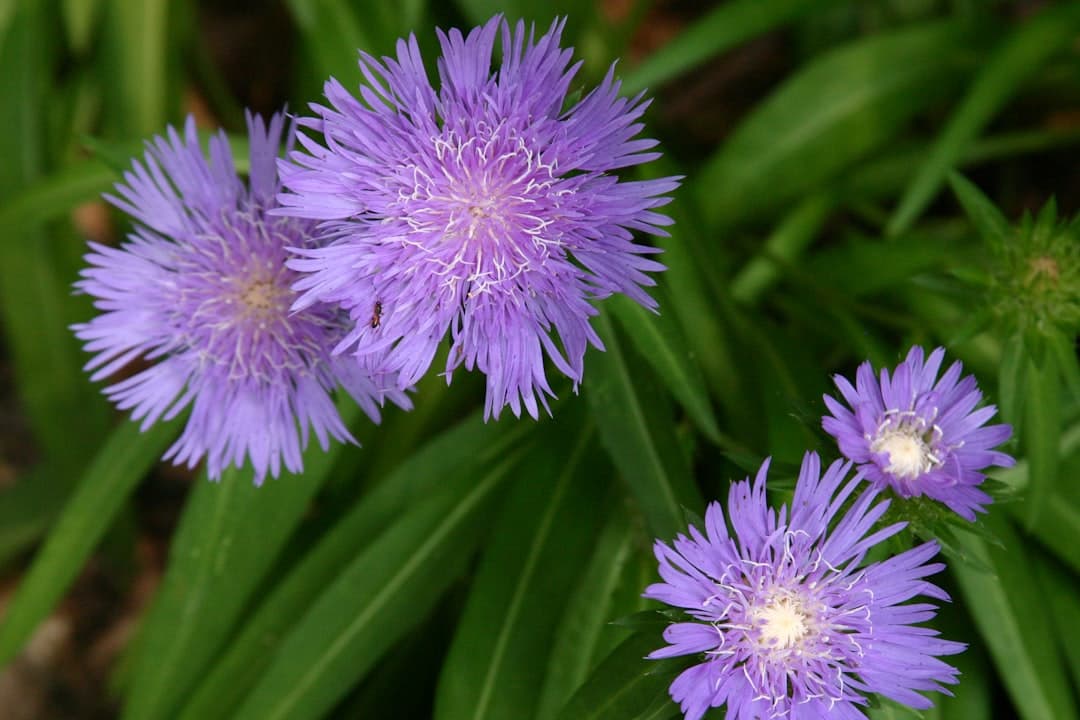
[[202, 292], [487, 209], [789, 621], [918, 434]]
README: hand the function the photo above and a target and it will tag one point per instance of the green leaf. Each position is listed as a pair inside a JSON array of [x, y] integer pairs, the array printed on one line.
[[663, 346], [610, 588], [832, 112], [1000, 77], [1021, 641], [139, 38], [332, 33], [392, 585], [1041, 433], [102, 491], [629, 412], [1012, 380], [691, 303], [79, 17], [229, 536], [725, 26], [626, 686], [984, 215], [1062, 598], [536, 552], [54, 195], [453, 458], [66, 413], [1061, 526]]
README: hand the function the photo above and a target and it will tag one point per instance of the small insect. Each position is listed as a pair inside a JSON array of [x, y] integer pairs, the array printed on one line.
[[376, 315]]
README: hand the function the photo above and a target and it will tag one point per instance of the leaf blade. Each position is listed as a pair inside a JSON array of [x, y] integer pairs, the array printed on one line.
[[99, 495]]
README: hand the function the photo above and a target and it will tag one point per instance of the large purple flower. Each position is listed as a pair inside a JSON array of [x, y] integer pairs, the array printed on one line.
[[919, 434], [787, 618], [202, 292], [486, 208]]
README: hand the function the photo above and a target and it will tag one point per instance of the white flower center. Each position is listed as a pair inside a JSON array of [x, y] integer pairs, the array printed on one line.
[[908, 454], [782, 622]]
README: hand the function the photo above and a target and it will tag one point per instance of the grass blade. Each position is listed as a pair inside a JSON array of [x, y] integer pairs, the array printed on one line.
[[609, 588], [663, 346], [229, 536], [139, 37], [1021, 642], [832, 112], [628, 408], [536, 551], [454, 457], [1003, 74], [101, 493], [390, 587], [626, 686]]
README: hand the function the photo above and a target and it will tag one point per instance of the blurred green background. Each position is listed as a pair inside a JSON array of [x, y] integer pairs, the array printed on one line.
[[455, 569]]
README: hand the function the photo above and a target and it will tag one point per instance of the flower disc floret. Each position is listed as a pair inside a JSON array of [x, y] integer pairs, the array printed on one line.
[[917, 433], [486, 209], [201, 291], [787, 618]]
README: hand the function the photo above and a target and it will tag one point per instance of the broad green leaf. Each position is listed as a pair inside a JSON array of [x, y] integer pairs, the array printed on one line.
[[140, 42], [1021, 641], [1061, 526], [101, 493], [983, 214], [229, 536], [392, 585], [1001, 76], [332, 32], [691, 303], [1012, 381], [629, 411], [1040, 434], [974, 697], [832, 112], [610, 588], [453, 459], [1062, 600], [626, 686], [725, 26], [535, 554], [67, 415], [661, 343]]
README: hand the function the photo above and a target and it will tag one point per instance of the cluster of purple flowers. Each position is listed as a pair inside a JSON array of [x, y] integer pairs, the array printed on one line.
[[788, 618], [484, 210]]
